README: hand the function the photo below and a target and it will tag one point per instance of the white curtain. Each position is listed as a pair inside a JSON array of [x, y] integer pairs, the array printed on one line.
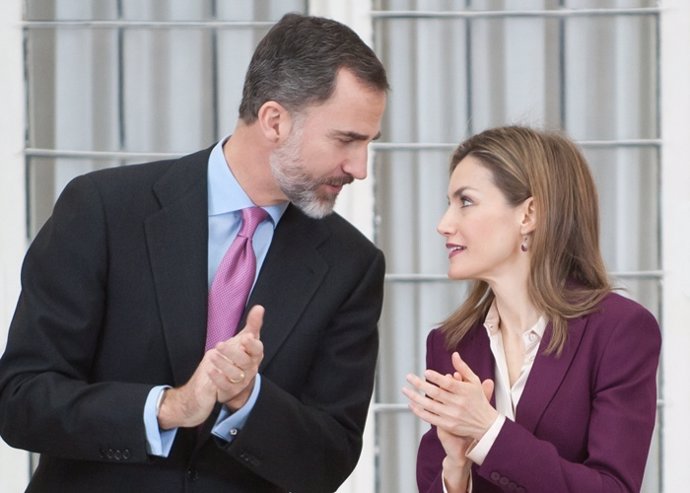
[[133, 85], [595, 76]]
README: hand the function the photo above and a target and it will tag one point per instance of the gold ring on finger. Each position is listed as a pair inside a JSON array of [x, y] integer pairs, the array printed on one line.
[[238, 379]]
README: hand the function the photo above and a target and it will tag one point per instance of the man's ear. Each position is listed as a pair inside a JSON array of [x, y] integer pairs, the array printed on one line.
[[275, 121], [528, 216]]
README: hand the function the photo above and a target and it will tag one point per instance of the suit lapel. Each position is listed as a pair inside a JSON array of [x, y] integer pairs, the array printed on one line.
[[290, 276], [548, 371], [476, 352], [177, 237]]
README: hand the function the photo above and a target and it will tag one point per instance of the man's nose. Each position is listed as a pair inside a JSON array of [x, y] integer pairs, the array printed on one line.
[[357, 163]]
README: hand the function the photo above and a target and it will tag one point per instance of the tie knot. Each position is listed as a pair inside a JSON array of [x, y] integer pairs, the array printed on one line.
[[251, 218]]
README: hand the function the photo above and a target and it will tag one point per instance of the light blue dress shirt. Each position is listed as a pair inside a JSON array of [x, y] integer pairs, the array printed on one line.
[[226, 199]]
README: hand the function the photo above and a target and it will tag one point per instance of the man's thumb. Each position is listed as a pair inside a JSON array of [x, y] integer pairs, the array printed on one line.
[[255, 319]]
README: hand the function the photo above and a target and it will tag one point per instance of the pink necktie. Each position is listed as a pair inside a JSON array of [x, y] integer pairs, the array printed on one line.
[[234, 278]]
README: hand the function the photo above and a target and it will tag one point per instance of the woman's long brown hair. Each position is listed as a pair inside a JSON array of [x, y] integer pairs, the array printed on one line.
[[567, 275]]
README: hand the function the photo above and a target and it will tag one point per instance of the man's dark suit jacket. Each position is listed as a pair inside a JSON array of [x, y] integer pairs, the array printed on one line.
[[114, 302], [585, 419]]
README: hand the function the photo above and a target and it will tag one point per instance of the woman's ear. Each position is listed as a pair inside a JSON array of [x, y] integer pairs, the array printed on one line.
[[528, 213], [275, 121]]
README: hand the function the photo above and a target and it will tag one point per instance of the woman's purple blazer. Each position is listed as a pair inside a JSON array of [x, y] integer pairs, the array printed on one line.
[[585, 419]]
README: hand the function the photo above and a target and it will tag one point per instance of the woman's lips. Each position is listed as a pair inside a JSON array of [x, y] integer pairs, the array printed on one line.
[[454, 249]]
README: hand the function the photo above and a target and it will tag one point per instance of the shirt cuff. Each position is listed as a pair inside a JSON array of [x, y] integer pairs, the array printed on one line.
[[478, 452], [158, 442], [228, 424], [469, 483]]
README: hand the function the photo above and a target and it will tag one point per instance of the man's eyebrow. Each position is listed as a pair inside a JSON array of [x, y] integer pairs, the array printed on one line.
[[354, 135]]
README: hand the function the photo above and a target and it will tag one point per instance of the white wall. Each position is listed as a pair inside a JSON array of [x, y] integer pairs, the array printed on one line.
[[675, 186], [14, 464]]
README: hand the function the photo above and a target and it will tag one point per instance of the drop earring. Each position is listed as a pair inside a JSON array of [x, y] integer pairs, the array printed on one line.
[[523, 245]]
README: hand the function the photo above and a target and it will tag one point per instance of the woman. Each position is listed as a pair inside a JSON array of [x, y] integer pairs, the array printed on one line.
[[544, 380]]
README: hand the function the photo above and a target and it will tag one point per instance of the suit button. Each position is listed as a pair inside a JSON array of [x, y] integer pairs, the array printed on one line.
[[118, 455], [495, 476], [503, 481], [110, 453], [126, 454], [249, 459], [192, 474]]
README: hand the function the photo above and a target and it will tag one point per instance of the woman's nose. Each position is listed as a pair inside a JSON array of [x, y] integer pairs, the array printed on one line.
[[444, 225]]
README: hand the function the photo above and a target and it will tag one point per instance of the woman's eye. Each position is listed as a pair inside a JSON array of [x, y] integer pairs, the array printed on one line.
[[465, 201]]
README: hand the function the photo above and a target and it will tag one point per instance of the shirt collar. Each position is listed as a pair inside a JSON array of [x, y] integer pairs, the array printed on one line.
[[493, 320], [224, 191]]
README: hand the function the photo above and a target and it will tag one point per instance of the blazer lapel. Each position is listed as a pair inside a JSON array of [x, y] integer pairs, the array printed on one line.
[[177, 243], [547, 374], [476, 352], [290, 276]]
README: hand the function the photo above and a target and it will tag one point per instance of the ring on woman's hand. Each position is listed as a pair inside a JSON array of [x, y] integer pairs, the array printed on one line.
[[239, 379]]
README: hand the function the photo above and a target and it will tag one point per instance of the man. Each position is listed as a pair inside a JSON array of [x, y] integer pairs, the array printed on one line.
[[106, 374]]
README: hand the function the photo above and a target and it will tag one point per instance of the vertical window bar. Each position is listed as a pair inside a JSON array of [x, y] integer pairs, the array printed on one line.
[[214, 73], [27, 134], [660, 283], [121, 131], [468, 70], [562, 102]]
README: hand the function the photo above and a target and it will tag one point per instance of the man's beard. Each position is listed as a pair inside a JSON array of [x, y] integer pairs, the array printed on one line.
[[298, 186]]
